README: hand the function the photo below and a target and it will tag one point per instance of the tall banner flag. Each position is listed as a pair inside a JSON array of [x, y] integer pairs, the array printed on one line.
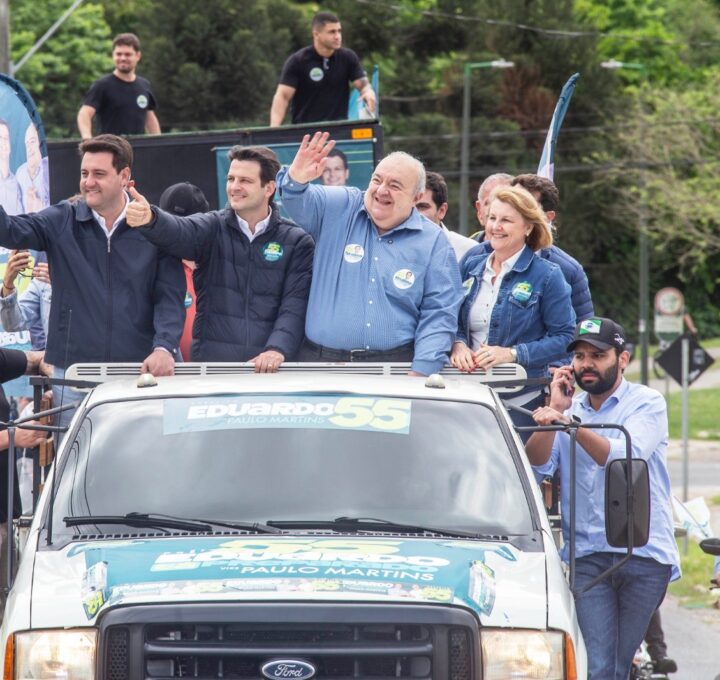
[[546, 168], [24, 188]]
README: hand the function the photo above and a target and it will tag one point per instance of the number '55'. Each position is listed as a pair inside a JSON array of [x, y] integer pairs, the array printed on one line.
[[380, 414]]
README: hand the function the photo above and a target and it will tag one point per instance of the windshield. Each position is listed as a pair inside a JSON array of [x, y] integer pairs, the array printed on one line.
[[255, 458]]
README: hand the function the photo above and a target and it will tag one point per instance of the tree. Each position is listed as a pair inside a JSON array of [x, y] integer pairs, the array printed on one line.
[[216, 64], [59, 74]]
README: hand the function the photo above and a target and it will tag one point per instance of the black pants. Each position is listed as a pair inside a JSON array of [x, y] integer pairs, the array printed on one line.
[[312, 352], [655, 638]]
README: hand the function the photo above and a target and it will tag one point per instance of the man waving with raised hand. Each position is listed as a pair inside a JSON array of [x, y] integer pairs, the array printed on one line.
[[386, 285]]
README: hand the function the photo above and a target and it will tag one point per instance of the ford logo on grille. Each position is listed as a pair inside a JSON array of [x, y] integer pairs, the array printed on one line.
[[288, 668]]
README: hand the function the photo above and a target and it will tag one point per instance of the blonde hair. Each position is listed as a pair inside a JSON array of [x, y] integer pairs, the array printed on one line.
[[524, 202]]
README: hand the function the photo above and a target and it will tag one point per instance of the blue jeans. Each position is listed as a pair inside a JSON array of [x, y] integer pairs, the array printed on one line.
[[614, 614], [67, 395]]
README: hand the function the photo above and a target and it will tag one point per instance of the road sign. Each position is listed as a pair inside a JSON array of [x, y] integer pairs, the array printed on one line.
[[669, 311], [671, 360]]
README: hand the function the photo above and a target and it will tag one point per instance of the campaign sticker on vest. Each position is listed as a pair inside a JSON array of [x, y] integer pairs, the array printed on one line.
[[403, 278], [272, 251], [142, 101], [188, 299], [467, 286], [354, 252], [589, 326], [522, 291], [316, 74]]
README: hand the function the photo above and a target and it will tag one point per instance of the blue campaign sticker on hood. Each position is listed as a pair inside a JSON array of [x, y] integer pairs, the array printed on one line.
[[289, 566], [319, 413]]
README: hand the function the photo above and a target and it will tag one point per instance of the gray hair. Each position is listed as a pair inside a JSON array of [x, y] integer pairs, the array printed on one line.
[[497, 178], [417, 164]]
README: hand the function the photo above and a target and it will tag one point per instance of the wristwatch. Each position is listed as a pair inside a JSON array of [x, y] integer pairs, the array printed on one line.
[[513, 352]]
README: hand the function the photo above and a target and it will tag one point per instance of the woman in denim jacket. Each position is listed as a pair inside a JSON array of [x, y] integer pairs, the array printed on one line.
[[517, 306]]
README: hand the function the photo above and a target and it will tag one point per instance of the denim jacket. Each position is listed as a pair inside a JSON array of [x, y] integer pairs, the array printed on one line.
[[533, 312]]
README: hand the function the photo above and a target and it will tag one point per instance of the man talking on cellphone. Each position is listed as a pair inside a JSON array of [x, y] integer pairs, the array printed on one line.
[[614, 614]]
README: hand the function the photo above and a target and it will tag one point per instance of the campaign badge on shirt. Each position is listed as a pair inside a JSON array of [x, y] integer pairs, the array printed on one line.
[[188, 299], [316, 74], [467, 285], [272, 251], [142, 101], [522, 291], [354, 252], [403, 279]]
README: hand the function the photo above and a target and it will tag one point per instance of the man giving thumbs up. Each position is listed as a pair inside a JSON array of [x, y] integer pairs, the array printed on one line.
[[116, 297]]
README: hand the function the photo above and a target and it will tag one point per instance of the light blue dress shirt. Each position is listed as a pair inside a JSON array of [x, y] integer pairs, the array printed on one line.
[[25, 312], [643, 412], [371, 291]]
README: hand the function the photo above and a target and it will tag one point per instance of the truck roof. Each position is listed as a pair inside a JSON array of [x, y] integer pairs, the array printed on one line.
[[123, 381]]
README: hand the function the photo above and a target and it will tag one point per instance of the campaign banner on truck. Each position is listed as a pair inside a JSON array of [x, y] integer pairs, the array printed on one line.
[[24, 188]]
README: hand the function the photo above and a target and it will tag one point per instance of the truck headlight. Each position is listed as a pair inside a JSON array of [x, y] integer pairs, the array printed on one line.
[[66, 654], [531, 654]]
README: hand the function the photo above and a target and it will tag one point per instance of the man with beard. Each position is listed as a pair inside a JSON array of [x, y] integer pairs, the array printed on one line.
[[314, 80], [614, 614]]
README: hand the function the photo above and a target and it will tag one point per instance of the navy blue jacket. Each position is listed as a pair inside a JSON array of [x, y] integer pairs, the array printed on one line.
[[251, 297], [126, 297], [574, 274]]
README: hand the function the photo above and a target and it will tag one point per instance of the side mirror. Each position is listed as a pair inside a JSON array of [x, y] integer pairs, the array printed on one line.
[[711, 546], [617, 513]]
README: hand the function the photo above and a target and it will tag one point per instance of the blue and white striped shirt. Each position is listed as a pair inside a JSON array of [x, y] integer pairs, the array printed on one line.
[[372, 291]]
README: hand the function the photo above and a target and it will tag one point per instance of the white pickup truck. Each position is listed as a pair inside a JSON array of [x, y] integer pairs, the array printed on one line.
[[328, 524]]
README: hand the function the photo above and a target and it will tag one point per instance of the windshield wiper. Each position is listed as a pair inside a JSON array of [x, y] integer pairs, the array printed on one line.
[[140, 519], [137, 519], [371, 524]]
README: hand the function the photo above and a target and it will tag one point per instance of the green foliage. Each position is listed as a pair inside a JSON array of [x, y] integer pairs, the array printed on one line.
[[59, 74], [697, 569], [703, 407], [216, 64]]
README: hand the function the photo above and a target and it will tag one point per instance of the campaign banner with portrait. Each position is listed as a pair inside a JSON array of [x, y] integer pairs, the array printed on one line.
[[350, 163], [24, 188]]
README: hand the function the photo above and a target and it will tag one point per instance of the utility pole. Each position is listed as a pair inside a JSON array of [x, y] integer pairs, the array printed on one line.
[[5, 36]]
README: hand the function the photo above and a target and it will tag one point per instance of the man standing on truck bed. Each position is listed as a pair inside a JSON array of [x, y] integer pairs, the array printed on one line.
[[253, 267], [116, 296], [386, 285], [614, 614], [122, 99], [315, 79]]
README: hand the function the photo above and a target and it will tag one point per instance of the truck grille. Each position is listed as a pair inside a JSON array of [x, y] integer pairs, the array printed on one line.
[[362, 641]]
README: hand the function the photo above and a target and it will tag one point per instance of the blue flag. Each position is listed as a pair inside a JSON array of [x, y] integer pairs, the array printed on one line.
[[546, 168]]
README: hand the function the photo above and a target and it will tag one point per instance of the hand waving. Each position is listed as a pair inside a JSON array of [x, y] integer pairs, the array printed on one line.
[[309, 161]]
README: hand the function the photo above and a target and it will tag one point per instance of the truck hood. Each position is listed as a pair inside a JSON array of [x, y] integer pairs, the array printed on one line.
[[504, 586]]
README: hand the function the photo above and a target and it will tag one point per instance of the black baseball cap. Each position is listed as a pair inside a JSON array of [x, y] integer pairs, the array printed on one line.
[[599, 332], [183, 199]]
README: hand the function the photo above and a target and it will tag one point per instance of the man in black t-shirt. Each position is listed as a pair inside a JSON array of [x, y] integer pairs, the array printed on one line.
[[315, 78], [122, 100]]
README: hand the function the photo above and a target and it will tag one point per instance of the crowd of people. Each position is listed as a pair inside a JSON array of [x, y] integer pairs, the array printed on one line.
[[347, 275]]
